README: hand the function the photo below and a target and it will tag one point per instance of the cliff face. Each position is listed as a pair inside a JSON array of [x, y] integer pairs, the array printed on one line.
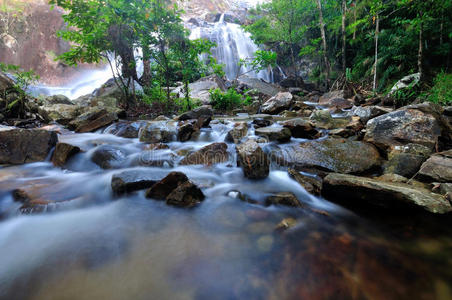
[[28, 38]]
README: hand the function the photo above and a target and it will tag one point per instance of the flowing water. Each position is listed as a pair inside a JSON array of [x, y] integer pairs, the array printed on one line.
[[90, 244]]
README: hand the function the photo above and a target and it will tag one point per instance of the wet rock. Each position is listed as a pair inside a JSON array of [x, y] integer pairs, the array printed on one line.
[[164, 187], [253, 160], [93, 119], [63, 152], [280, 134], [156, 133], [58, 99], [187, 130], [358, 191], [311, 184], [61, 113], [326, 98], [338, 104], [277, 104], [237, 133], [125, 129], [108, 157], [404, 164], [186, 194], [260, 122], [437, 168], [332, 154], [301, 128], [261, 116], [134, 180], [19, 146], [204, 111], [156, 146], [401, 127], [323, 119], [155, 158], [266, 90], [283, 198], [369, 112], [207, 155]]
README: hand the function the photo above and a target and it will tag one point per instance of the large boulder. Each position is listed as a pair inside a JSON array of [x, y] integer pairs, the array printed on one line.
[[267, 90], [108, 157], [301, 128], [63, 152], [202, 114], [92, 120], [207, 155], [58, 99], [365, 113], [438, 167], [19, 146], [200, 89], [401, 127], [280, 134], [357, 191], [332, 154], [253, 160], [277, 104], [187, 130], [405, 82], [125, 129], [133, 180]]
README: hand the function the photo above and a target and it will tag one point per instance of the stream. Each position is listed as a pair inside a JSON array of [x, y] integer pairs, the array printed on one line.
[[91, 244]]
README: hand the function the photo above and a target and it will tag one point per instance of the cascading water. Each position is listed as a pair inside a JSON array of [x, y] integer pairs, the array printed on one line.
[[233, 44]]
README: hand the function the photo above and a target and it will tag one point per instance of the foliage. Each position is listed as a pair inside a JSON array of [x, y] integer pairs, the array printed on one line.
[[113, 29], [261, 60], [441, 91], [228, 100]]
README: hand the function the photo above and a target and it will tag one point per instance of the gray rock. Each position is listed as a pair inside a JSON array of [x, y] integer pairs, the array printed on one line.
[[133, 180], [332, 154], [438, 167], [301, 128], [404, 164], [253, 160], [58, 99], [365, 113], [358, 191], [401, 127], [108, 157], [92, 120], [63, 152], [157, 133], [311, 184], [277, 104], [237, 133]]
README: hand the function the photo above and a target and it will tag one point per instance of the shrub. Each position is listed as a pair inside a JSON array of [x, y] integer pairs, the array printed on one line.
[[228, 100], [441, 91]]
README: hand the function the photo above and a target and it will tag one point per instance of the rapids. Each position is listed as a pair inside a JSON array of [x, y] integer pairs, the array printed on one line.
[[90, 244]]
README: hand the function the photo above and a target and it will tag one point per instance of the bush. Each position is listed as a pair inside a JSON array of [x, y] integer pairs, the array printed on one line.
[[441, 91], [228, 100]]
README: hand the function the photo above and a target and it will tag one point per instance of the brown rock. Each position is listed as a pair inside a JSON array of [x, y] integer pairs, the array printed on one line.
[[300, 128], [283, 198], [208, 155], [438, 167], [311, 184], [253, 160], [280, 134], [237, 133], [164, 187], [63, 152], [186, 194]]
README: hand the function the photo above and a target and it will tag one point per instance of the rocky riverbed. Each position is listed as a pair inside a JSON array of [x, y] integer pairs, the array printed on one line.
[[320, 196]]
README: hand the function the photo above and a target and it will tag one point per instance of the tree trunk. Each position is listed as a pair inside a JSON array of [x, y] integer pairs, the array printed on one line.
[[420, 50], [377, 31], [344, 54], [355, 16], [325, 52]]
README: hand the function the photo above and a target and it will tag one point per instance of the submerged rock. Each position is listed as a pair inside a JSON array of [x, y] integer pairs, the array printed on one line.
[[279, 134], [134, 180], [207, 155], [63, 152], [277, 104], [358, 191], [19, 146], [156, 133], [333, 154], [283, 198], [253, 160]]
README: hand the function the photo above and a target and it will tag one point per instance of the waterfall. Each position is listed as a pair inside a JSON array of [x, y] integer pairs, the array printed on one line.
[[233, 44]]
